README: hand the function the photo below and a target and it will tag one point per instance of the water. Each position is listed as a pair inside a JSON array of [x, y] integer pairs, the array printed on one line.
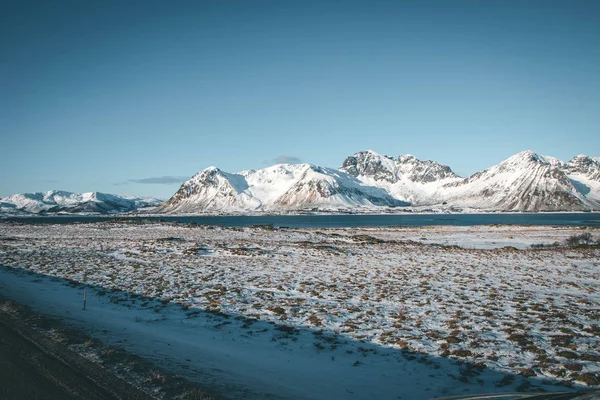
[[344, 220]]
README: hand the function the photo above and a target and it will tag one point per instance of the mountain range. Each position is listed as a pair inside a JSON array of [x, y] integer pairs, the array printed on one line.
[[369, 181], [366, 182], [55, 202]]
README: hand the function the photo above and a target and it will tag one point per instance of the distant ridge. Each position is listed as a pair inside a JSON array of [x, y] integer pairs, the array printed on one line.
[[56, 201]]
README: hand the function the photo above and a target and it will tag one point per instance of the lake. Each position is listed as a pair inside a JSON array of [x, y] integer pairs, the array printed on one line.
[[342, 220]]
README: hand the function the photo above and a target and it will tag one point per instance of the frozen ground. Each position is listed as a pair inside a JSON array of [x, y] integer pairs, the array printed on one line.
[[325, 313]]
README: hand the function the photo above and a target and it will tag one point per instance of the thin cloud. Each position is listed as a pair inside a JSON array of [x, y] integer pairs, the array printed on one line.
[[156, 180], [283, 159]]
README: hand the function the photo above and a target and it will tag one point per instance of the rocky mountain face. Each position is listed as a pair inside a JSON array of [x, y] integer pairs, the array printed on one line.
[[406, 178], [372, 165], [369, 164], [56, 201], [584, 173], [588, 167], [278, 188], [211, 190], [328, 188], [524, 182]]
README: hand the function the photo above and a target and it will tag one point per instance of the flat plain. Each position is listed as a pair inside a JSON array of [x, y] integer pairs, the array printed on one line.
[[315, 313]]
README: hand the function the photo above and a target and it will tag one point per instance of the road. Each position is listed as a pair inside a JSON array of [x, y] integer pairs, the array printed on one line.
[[33, 366]]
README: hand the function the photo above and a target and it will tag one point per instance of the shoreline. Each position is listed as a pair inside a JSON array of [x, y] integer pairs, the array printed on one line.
[[303, 213], [334, 221]]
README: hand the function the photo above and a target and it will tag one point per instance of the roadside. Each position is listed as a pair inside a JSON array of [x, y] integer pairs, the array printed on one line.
[[40, 358]]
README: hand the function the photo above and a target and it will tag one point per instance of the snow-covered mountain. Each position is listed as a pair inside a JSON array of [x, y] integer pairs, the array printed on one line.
[[406, 178], [56, 201], [281, 187], [524, 182], [366, 181], [584, 173]]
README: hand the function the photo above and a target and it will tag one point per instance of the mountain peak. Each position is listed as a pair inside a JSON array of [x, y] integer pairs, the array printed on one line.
[[372, 165], [210, 170], [376, 154], [405, 157], [587, 166], [53, 192], [585, 159], [527, 155], [206, 173]]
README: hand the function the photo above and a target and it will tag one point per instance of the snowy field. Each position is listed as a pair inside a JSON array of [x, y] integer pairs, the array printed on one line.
[[325, 313]]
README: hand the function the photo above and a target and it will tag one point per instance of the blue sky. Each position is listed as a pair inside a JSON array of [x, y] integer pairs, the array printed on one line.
[[134, 96]]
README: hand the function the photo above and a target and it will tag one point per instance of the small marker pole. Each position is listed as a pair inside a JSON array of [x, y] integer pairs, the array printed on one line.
[[84, 297]]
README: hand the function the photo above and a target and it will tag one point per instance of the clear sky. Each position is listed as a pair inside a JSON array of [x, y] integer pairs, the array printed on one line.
[[135, 96]]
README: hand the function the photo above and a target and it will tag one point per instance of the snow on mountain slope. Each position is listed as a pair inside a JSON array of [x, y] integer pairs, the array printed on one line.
[[366, 181], [329, 188], [280, 187], [269, 184], [585, 165], [212, 190], [584, 173], [55, 201], [372, 165], [524, 182], [407, 178]]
